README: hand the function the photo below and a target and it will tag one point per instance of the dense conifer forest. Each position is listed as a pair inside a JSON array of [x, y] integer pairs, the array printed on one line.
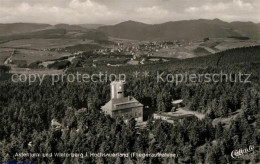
[[26, 112]]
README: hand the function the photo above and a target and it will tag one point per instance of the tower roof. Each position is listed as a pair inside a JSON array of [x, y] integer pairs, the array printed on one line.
[[117, 82]]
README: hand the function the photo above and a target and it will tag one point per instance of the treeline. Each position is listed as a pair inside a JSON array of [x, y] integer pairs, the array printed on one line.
[[27, 116]]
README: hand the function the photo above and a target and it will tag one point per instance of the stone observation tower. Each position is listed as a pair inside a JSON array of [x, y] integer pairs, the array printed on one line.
[[117, 89], [121, 106]]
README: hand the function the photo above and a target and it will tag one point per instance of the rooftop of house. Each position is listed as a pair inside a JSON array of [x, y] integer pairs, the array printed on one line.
[[177, 101], [120, 103]]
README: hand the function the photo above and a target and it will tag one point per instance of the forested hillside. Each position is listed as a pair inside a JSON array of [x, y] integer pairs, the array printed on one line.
[[27, 111], [186, 29]]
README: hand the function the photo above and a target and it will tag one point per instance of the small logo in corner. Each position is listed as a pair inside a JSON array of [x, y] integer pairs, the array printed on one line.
[[241, 152]]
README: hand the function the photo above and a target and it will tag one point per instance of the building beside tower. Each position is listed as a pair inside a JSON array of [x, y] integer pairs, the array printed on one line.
[[121, 106]]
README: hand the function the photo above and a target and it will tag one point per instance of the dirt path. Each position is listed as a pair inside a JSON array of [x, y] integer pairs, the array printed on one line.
[[226, 121], [209, 49], [8, 60]]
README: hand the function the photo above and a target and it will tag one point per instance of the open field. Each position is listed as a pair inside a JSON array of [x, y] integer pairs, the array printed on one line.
[[178, 52], [41, 44], [4, 54], [38, 71], [221, 44], [235, 44], [31, 56], [213, 45], [28, 51]]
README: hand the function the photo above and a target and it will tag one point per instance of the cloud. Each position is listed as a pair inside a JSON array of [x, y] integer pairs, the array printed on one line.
[[221, 6], [243, 5], [208, 8], [152, 11], [192, 9], [146, 14], [115, 11], [88, 7], [76, 11], [229, 10]]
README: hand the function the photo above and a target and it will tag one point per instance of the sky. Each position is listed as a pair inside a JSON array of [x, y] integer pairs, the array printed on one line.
[[116, 11]]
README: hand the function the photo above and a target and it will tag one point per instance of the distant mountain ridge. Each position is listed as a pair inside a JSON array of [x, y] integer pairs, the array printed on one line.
[[186, 29], [16, 28], [90, 26], [16, 31], [20, 28], [178, 30]]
